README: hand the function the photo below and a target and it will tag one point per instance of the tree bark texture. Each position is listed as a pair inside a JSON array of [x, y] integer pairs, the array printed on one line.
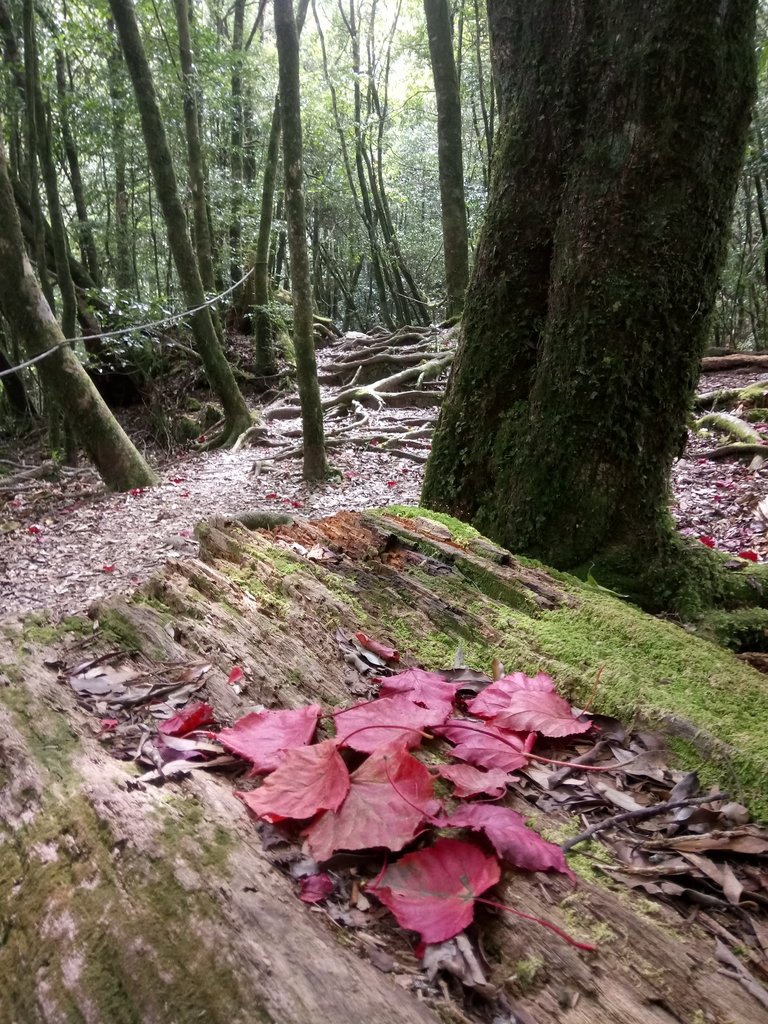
[[449, 153], [127, 902], [287, 36], [217, 368], [24, 306], [623, 130]]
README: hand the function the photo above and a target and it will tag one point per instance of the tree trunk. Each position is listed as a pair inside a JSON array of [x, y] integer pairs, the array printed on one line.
[[449, 153], [614, 180], [124, 901], [236, 144], [125, 280], [197, 183], [315, 467], [219, 371], [120, 465]]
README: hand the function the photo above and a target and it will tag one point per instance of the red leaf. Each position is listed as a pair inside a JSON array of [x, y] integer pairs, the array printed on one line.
[[136, 492], [387, 653], [272, 494], [375, 723], [235, 675], [314, 888], [433, 891], [428, 689], [512, 840], [485, 746], [391, 483], [263, 736], [545, 713], [469, 781], [107, 568], [389, 796], [495, 698], [707, 541], [192, 717], [109, 724], [310, 779], [751, 555], [34, 529]]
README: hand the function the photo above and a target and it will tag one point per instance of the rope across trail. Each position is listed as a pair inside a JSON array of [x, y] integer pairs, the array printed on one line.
[[175, 318]]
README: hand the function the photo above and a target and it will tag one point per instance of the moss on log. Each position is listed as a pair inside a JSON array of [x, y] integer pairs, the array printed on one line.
[[123, 902]]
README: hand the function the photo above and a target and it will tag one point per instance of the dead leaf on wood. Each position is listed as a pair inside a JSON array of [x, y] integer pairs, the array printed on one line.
[[744, 840]]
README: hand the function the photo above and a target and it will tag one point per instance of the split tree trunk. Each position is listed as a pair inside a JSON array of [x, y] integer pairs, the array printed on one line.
[[219, 372], [315, 466], [623, 130], [24, 306], [449, 153]]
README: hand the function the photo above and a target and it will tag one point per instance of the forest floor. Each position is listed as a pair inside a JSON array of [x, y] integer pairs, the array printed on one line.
[[66, 542]]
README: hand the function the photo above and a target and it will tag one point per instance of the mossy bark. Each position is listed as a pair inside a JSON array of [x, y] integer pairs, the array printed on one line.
[[24, 306], [449, 153], [218, 370], [622, 135], [315, 466], [131, 902]]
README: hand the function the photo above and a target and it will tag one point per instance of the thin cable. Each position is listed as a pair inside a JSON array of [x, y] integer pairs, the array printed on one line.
[[126, 330]]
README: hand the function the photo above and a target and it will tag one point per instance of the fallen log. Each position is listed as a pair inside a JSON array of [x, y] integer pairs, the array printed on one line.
[[123, 900], [735, 361]]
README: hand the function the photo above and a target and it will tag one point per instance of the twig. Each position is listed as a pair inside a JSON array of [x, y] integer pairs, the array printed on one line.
[[641, 815]]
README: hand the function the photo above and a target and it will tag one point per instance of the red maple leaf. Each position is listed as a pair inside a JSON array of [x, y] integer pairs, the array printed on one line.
[[192, 717], [484, 745], [263, 736], [314, 888], [751, 555], [469, 781], [374, 723], [433, 891], [545, 713], [235, 675], [387, 653], [708, 542], [511, 838], [428, 689], [495, 698], [390, 794], [310, 779]]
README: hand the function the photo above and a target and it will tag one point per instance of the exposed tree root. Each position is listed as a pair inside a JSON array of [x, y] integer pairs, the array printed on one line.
[[727, 423], [735, 451]]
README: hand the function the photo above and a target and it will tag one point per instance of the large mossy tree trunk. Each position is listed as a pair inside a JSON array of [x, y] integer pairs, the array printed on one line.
[[63, 376], [218, 370], [623, 130], [315, 466], [449, 153]]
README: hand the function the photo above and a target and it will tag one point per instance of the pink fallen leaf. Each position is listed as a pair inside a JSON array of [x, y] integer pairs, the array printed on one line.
[[390, 795], [428, 689], [486, 746], [136, 492], [310, 779], [708, 542], [374, 723], [315, 888], [752, 556], [272, 494], [495, 698], [195, 716], [34, 530], [391, 483], [545, 713], [109, 724], [177, 480], [263, 737], [387, 653], [107, 568], [433, 891], [296, 504], [469, 781], [235, 675], [513, 841]]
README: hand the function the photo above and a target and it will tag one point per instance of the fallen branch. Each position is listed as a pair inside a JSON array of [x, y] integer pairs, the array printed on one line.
[[641, 815], [735, 451]]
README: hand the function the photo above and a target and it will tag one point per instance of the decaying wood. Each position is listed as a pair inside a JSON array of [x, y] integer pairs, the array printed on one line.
[[736, 361], [122, 901]]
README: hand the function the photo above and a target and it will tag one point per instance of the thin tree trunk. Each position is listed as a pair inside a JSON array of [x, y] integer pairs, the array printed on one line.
[[219, 371], [449, 154], [88, 250], [124, 275], [195, 156], [236, 143], [22, 303], [315, 466]]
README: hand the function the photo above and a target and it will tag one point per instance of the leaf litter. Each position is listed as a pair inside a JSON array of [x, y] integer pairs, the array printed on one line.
[[390, 824]]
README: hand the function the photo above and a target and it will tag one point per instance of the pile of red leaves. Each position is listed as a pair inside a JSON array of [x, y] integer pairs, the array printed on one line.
[[362, 788]]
